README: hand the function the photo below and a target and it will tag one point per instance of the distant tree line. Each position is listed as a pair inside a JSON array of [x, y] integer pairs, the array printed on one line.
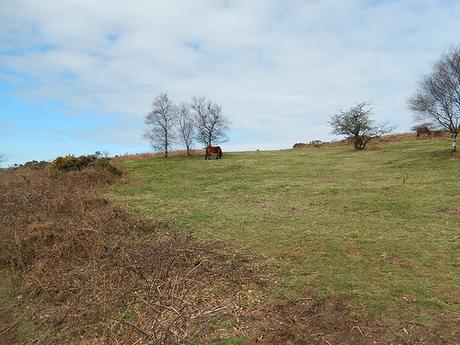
[[199, 121]]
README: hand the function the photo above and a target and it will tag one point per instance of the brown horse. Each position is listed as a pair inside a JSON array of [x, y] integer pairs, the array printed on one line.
[[423, 130], [213, 149]]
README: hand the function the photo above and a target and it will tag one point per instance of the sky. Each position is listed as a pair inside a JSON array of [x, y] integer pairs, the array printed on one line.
[[79, 76]]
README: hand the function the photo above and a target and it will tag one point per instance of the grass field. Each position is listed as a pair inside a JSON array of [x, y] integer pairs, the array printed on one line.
[[380, 227]]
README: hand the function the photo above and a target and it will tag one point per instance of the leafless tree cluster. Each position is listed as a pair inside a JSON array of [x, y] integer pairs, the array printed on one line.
[[199, 121], [438, 98], [211, 124], [356, 124]]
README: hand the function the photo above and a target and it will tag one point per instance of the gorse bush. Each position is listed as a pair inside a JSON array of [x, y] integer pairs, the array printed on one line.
[[72, 163]]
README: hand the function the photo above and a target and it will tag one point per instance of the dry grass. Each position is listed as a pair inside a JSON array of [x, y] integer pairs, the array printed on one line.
[[388, 138], [91, 273], [147, 155]]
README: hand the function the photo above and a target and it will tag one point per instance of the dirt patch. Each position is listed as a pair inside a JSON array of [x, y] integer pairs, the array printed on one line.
[[333, 321], [450, 211]]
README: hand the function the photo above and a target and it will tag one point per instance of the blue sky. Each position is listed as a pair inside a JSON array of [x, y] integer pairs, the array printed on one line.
[[78, 76]]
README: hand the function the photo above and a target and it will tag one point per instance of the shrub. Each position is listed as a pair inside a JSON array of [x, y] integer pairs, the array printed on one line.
[[105, 163], [72, 163], [66, 163], [35, 164]]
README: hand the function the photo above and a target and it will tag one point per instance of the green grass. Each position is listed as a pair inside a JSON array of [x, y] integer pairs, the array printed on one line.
[[378, 227]]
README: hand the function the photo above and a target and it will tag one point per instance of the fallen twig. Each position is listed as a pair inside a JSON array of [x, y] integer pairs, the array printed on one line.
[[359, 329]]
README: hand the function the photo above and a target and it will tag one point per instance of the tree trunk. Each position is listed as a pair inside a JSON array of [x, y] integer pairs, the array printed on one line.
[[356, 143], [453, 138], [359, 142]]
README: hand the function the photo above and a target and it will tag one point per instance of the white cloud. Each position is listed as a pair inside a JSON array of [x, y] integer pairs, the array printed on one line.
[[279, 68]]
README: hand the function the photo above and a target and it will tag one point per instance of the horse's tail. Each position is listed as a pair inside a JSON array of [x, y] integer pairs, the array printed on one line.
[[220, 153]]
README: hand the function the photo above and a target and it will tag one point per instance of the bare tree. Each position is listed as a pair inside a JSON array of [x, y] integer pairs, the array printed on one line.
[[161, 121], [210, 121], [186, 128], [438, 96], [356, 124]]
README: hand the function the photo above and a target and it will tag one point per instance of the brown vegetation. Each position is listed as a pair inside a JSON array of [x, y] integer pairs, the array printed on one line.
[[87, 272], [439, 134]]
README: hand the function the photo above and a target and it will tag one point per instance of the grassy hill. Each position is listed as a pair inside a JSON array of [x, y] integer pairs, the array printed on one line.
[[380, 228]]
